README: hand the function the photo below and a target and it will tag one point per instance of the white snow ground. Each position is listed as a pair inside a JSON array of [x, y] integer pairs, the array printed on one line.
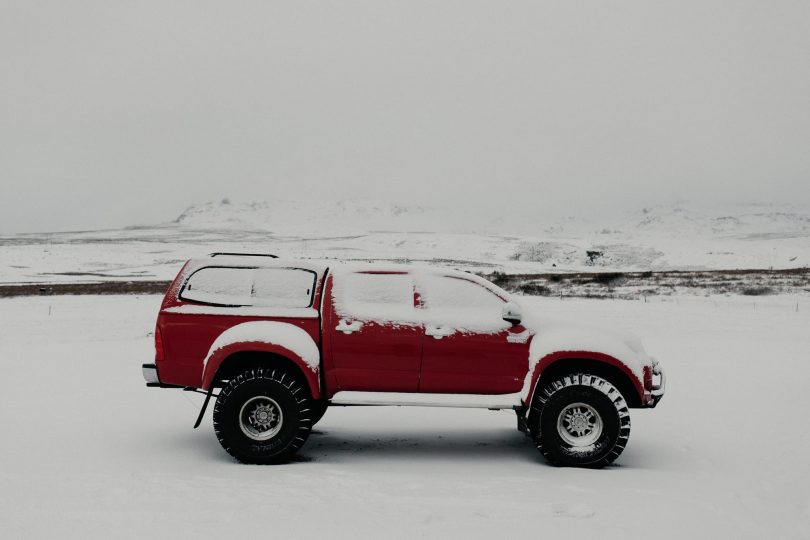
[[681, 236], [89, 452]]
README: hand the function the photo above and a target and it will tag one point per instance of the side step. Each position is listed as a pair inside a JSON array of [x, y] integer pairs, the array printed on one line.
[[469, 401]]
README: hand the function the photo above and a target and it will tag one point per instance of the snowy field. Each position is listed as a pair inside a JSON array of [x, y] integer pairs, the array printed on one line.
[[89, 452], [683, 237]]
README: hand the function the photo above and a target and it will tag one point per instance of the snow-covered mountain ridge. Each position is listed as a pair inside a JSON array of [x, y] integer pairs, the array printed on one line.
[[296, 217], [289, 216]]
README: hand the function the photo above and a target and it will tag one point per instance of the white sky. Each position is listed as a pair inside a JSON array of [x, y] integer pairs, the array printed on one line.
[[117, 113]]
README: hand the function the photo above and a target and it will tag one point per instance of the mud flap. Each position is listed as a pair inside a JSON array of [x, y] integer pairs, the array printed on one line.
[[522, 426], [204, 406]]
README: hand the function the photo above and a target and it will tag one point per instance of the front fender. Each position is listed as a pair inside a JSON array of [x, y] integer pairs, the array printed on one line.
[[279, 338], [556, 342], [530, 383]]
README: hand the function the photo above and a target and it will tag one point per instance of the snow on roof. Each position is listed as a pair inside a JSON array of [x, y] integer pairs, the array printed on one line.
[[255, 262], [384, 293], [339, 267]]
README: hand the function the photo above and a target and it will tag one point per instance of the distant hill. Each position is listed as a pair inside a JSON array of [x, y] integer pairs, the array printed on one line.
[[683, 236], [288, 216]]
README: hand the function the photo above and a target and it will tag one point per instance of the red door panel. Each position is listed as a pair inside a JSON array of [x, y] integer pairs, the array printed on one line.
[[376, 357], [468, 348], [473, 363]]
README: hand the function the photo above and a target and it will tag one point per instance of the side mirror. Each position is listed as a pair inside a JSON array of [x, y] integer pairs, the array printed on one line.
[[511, 313]]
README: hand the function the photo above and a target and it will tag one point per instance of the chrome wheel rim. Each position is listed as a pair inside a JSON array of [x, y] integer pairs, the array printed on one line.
[[579, 424], [260, 418]]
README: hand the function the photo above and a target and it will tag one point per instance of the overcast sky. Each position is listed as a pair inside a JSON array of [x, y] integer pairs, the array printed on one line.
[[117, 113]]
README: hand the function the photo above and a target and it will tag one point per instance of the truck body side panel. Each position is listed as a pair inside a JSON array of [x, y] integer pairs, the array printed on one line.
[[187, 337]]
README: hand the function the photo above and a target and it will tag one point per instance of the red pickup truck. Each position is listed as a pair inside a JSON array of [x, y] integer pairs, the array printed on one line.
[[281, 340]]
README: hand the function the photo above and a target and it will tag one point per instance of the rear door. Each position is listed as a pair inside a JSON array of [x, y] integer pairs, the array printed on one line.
[[468, 348], [374, 332]]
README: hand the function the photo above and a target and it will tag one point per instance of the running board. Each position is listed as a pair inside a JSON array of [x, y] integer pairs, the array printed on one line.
[[469, 401]]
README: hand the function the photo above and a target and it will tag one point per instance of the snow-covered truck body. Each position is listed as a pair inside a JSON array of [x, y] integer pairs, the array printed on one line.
[[281, 340]]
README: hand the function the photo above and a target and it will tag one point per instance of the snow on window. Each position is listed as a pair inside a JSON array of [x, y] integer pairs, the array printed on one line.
[[260, 287], [461, 303], [375, 296], [224, 286], [282, 287]]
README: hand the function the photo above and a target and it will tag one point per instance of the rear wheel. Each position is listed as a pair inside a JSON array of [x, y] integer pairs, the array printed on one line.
[[582, 421], [318, 409], [263, 416]]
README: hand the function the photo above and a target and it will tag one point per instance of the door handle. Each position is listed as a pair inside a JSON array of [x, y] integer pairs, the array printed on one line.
[[347, 327], [438, 332]]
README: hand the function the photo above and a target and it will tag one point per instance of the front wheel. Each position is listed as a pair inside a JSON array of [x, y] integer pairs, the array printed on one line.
[[262, 416], [583, 421]]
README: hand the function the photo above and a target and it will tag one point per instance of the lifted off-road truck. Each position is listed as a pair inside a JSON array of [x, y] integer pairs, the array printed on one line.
[[279, 341]]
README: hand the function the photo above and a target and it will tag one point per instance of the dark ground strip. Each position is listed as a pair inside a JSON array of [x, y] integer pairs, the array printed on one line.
[[575, 284], [638, 284], [107, 287]]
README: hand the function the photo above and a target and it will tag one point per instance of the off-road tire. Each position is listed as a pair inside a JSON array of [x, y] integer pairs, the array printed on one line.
[[291, 397], [595, 394]]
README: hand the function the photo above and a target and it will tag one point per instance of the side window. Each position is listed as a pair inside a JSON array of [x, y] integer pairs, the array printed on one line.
[[282, 287], [461, 303], [374, 296], [260, 287], [221, 286]]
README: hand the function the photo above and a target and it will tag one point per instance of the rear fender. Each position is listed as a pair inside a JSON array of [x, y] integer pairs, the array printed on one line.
[[277, 338]]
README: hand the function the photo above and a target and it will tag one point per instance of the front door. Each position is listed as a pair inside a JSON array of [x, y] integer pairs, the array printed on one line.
[[375, 336], [468, 347]]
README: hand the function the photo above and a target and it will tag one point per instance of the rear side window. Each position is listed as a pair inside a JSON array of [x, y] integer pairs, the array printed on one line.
[[283, 287], [260, 287], [221, 286], [375, 296]]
